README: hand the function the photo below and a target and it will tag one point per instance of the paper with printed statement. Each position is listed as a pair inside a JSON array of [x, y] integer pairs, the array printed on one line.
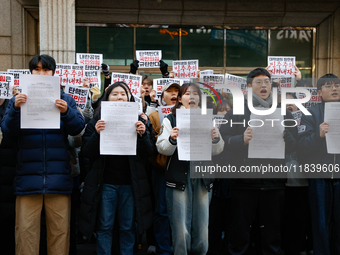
[[39, 111], [119, 136]]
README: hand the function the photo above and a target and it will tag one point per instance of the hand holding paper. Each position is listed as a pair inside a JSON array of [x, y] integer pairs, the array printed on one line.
[[61, 105], [100, 125], [174, 133], [248, 135], [20, 99], [323, 129]]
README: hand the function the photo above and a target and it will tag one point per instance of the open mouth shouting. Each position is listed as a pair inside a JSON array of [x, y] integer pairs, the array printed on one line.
[[335, 94], [173, 99], [263, 92], [290, 108], [192, 103]]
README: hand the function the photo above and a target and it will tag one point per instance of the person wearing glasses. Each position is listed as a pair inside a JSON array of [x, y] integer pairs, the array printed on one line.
[[256, 204], [324, 188]]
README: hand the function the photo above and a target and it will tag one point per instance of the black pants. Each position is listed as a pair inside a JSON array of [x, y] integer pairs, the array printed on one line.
[[297, 221], [245, 205]]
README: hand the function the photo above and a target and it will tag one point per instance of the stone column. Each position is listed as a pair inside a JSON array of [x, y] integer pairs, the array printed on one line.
[[328, 46], [57, 29]]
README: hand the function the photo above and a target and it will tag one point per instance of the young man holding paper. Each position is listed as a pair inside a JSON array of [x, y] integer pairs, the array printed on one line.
[[255, 196], [43, 170], [324, 186]]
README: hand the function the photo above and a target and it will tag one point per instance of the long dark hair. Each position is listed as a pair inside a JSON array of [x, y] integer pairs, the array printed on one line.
[[181, 92], [107, 93]]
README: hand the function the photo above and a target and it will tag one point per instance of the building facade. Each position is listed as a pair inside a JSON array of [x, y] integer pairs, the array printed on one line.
[[226, 36]]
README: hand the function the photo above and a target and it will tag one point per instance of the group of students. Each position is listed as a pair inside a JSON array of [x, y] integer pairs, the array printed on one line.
[[128, 195]]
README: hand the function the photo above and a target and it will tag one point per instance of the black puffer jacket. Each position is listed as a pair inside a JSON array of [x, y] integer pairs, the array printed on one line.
[[93, 181], [234, 142]]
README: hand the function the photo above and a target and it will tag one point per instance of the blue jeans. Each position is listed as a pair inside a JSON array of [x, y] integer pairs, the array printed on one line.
[[161, 220], [116, 199], [324, 198], [189, 217]]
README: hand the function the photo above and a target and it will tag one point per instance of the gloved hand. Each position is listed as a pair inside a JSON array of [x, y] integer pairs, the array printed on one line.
[[134, 67], [164, 68], [289, 140], [95, 93], [105, 69]]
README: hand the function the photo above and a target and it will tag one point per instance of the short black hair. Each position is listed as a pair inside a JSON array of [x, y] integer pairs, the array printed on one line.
[[304, 83], [327, 79], [46, 61], [257, 72]]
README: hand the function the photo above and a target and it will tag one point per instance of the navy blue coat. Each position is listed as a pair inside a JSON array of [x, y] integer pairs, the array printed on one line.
[[313, 148], [43, 160]]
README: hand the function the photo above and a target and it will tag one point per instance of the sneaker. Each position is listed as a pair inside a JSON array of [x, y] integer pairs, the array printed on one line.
[[151, 250]]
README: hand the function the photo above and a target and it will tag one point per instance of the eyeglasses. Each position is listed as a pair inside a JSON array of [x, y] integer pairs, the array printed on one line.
[[259, 82], [330, 87]]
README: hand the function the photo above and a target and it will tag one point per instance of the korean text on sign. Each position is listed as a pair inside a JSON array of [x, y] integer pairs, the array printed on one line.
[[6, 86], [92, 64], [72, 75], [79, 95], [133, 81], [148, 58], [237, 81], [185, 68]]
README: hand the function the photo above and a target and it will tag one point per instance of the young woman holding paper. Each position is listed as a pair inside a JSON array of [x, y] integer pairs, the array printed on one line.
[[117, 185], [187, 199]]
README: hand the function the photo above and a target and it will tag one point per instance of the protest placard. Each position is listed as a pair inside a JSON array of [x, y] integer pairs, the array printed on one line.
[[185, 68], [6, 85], [207, 72], [17, 74], [282, 70], [211, 80], [237, 81], [282, 81], [315, 97], [79, 95], [297, 115], [133, 81], [92, 64], [148, 58], [70, 74], [164, 111], [159, 83], [282, 66]]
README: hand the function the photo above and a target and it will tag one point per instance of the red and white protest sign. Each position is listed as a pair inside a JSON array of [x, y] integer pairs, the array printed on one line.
[[92, 64], [163, 111], [148, 58], [158, 85], [237, 81], [315, 98], [297, 115], [79, 95], [69, 74], [211, 80], [185, 68], [17, 73], [133, 81], [6, 85], [282, 66]]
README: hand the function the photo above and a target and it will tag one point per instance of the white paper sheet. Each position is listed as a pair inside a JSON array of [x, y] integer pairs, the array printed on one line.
[[194, 135], [119, 136], [148, 58], [332, 117], [267, 141], [39, 111]]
